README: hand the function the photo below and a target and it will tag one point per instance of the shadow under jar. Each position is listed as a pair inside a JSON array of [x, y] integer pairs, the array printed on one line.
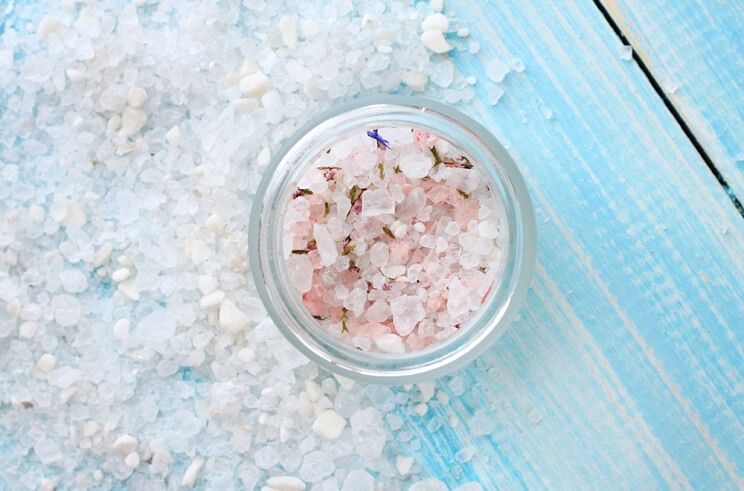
[[269, 251]]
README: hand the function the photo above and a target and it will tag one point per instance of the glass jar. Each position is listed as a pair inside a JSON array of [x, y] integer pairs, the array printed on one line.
[[284, 304]]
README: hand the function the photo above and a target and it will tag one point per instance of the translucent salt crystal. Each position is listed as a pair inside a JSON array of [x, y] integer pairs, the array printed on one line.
[[378, 311], [443, 73], [458, 298], [368, 432], [407, 311], [212, 299], [316, 465], [390, 343], [121, 274], [28, 329], [463, 32], [494, 93], [46, 363], [174, 136], [435, 22], [274, 105], [329, 425], [429, 485], [496, 69], [325, 243], [121, 329], [481, 423], [136, 96], [403, 464], [47, 451], [465, 454], [155, 329], [517, 65], [435, 41], [379, 254], [377, 202], [469, 486], [74, 281], [626, 52], [356, 300], [415, 80], [415, 165], [358, 480], [67, 310]]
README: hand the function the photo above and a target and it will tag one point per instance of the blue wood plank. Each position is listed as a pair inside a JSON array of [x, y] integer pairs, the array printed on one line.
[[625, 369], [694, 48]]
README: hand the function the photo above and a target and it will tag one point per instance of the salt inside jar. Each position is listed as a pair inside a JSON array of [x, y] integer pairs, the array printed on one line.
[[392, 239]]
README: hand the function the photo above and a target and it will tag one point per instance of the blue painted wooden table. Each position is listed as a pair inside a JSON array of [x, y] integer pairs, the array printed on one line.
[[625, 368]]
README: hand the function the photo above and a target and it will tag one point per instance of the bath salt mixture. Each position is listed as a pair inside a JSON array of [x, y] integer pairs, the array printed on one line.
[[393, 239], [134, 350]]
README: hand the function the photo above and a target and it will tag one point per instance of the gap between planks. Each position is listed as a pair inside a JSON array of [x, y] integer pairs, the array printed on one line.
[[670, 107]]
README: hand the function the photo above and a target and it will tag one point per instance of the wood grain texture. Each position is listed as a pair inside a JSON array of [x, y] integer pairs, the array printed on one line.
[[624, 370], [696, 49]]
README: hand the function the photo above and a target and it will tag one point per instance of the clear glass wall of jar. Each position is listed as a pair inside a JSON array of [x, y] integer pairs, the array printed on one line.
[[284, 304]]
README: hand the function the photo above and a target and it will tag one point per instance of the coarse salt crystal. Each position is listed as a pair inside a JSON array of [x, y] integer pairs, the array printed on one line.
[[435, 22], [192, 472], [435, 41]]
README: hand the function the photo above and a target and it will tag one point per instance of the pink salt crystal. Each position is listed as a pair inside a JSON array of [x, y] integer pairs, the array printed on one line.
[[377, 202], [378, 254], [399, 252], [370, 330], [379, 311], [326, 244]]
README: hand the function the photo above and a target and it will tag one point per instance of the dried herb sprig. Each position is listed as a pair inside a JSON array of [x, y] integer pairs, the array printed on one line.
[[381, 170], [437, 158], [463, 193], [388, 232], [301, 192], [299, 251], [344, 318]]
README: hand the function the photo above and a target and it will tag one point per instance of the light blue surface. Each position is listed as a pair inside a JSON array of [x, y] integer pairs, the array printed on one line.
[[625, 370], [695, 48]]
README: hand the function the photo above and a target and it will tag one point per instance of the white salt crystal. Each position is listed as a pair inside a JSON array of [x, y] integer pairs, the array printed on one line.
[[435, 22], [407, 311], [91, 428], [288, 30], [255, 84], [463, 32], [192, 472], [125, 444], [232, 319], [206, 284], [300, 271], [48, 452], [458, 298], [329, 425], [121, 274], [132, 460], [427, 390], [132, 120], [358, 480], [415, 80], [488, 229], [212, 299], [121, 329], [74, 75], [436, 5], [155, 329], [103, 254], [378, 311], [494, 93], [325, 243], [28, 329], [435, 41], [626, 53], [46, 363], [174, 136], [47, 26], [496, 69], [415, 165], [379, 253], [390, 343], [286, 483], [74, 280], [136, 96], [403, 465], [264, 157]]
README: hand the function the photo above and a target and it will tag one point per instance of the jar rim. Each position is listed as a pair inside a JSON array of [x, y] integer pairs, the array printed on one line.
[[449, 354]]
